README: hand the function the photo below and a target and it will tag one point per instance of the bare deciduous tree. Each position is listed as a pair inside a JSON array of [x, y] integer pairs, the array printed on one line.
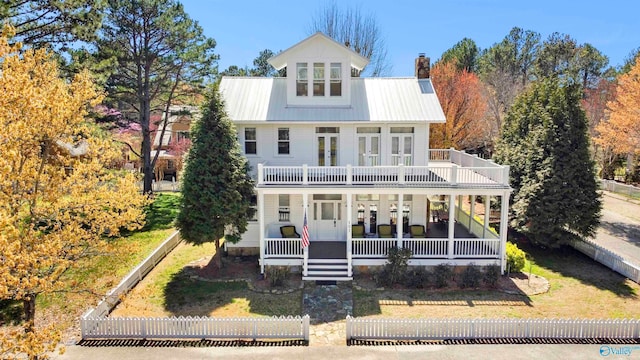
[[357, 31]]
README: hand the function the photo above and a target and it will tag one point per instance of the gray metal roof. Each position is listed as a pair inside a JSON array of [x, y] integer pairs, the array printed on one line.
[[372, 99]]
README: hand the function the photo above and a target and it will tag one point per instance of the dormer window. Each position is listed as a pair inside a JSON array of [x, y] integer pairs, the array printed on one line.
[[318, 79], [336, 79], [302, 80]]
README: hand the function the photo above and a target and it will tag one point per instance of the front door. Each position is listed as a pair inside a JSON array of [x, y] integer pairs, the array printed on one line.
[[368, 149], [327, 215], [327, 150], [402, 149]]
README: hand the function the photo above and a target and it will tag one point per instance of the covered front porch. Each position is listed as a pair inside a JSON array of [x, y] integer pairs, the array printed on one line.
[[453, 233]]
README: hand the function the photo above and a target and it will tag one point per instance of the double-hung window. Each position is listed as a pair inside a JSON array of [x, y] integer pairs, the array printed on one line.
[[283, 141], [318, 79], [250, 141], [302, 80], [335, 88]]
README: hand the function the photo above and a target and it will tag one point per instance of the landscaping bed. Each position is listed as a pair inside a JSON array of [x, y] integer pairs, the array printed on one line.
[[187, 283]]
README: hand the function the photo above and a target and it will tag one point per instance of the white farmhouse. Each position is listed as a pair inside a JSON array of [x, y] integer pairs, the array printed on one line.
[[353, 155]]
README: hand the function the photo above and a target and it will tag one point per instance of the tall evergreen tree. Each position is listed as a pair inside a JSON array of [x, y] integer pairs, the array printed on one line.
[[216, 188], [160, 54], [545, 141]]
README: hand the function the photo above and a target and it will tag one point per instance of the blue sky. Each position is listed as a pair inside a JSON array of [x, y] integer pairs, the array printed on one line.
[[243, 28]]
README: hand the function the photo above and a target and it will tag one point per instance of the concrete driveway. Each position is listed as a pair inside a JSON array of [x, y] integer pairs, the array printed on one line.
[[619, 229]]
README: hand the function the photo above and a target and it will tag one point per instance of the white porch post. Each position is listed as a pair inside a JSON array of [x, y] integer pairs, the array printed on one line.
[[452, 223], [487, 215], [349, 234], [399, 220], [504, 218], [262, 229], [472, 206], [260, 174], [305, 251]]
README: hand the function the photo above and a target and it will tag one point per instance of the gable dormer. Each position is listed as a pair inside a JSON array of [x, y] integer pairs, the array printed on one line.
[[318, 71]]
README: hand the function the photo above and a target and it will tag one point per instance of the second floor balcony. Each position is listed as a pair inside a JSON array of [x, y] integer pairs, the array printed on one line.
[[446, 168]]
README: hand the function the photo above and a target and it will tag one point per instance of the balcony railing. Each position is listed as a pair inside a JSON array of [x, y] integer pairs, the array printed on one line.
[[447, 168]]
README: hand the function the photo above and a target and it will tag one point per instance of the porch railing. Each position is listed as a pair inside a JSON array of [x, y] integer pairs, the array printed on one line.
[[283, 248], [372, 247], [428, 248], [476, 248]]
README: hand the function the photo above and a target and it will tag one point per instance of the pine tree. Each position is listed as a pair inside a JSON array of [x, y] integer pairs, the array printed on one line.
[[545, 141], [216, 189]]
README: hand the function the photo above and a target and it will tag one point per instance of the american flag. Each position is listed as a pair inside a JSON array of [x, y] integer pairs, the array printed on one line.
[[305, 232]]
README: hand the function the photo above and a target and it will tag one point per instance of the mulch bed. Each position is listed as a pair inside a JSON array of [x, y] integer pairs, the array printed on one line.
[[516, 283]]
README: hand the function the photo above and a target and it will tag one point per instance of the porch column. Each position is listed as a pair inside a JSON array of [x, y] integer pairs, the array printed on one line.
[[349, 234], [487, 214], [452, 223], [504, 218], [262, 229], [472, 207], [399, 220], [305, 251]]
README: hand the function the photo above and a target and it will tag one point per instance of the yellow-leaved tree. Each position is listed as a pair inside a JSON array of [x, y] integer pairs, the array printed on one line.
[[59, 203]]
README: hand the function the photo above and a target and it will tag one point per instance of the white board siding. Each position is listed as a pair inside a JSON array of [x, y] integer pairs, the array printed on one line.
[[250, 239], [303, 144]]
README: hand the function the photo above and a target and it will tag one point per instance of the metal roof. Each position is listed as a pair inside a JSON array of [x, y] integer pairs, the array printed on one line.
[[372, 99]]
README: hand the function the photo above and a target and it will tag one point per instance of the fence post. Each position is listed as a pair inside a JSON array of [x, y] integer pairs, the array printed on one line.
[[143, 327], [255, 329], [349, 324], [305, 327]]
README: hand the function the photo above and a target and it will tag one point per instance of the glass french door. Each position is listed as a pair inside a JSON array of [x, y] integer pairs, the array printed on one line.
[[402, 149], [368, 150], [327, 150]]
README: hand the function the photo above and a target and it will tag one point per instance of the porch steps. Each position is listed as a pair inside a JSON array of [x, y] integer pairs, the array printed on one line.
[[327, 270]]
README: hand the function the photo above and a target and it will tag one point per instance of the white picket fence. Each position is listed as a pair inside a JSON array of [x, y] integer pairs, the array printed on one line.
[[460, 329], [195, 328], [138, 273], [608, 258]]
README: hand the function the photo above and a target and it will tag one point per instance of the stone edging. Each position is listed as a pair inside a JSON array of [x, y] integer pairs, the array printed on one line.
[[251, 287]]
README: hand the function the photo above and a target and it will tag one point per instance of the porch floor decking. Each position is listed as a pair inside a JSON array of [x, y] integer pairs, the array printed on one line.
[[338, 249], [441, 230], [328, 250]]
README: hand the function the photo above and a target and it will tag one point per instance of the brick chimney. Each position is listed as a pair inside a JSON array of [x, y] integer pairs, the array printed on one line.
[[423, 66]]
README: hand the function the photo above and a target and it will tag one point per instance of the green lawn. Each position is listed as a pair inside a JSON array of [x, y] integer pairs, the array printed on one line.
[[104, 272], [580, 288], [170, 290]]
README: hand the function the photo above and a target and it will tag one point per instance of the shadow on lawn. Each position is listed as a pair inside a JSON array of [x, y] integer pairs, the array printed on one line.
[[188, 295], [571, 263]]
